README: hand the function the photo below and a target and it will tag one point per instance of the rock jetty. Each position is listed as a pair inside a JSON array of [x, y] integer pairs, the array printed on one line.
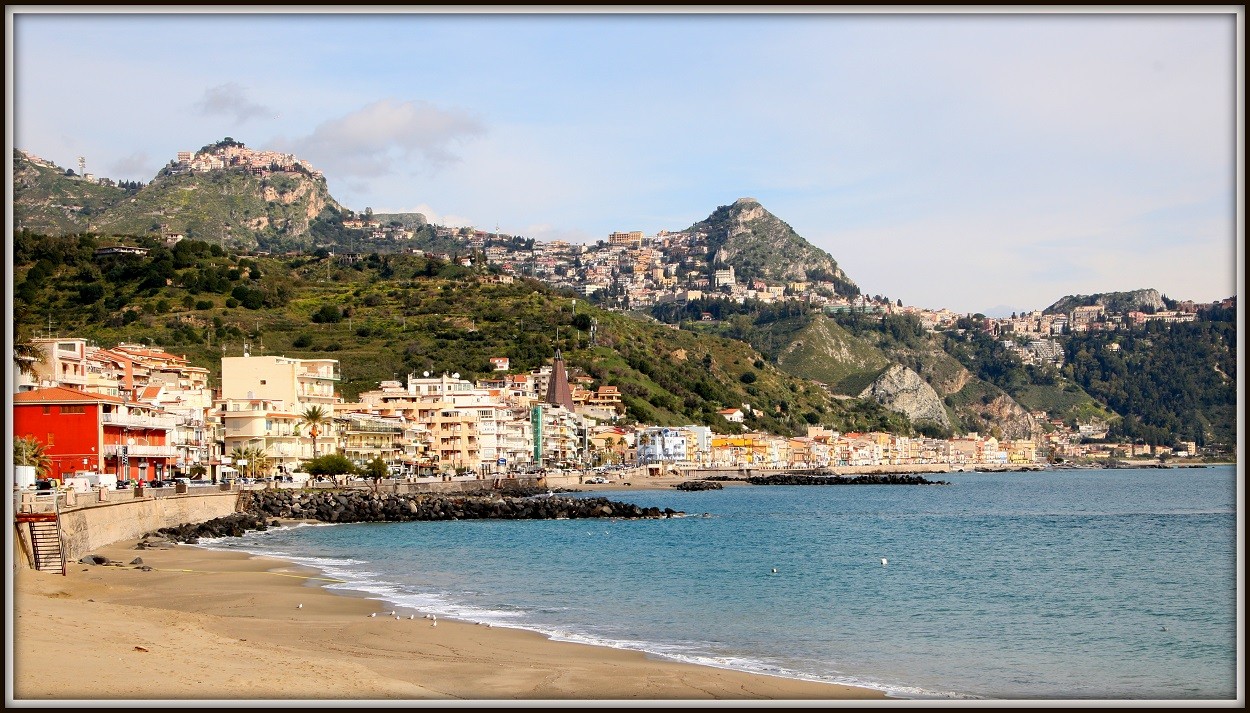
[[261, 509], [699, 485]]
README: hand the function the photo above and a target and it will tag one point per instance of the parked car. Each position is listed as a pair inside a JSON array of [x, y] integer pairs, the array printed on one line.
[[597, 480], [122, 484]]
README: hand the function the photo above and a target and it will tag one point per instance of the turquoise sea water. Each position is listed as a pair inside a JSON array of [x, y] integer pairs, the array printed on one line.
[[1090, 584]]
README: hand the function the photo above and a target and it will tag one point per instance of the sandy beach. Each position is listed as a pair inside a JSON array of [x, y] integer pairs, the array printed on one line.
[[202, 625]]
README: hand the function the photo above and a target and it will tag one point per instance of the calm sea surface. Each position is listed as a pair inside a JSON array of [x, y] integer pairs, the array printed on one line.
[[1090, 584]]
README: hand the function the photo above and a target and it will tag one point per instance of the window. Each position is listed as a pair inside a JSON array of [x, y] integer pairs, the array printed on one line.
[[51, 439], [263, 382], [47, 410], [73, 408]]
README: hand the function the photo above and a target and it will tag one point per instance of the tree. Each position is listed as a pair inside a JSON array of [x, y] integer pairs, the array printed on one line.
[[255, 460], [27, 450], [377, 470], [314, 417], [26, 354], [331, 464]]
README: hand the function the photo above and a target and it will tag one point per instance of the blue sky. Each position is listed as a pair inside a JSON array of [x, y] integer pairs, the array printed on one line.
[[978, 162]]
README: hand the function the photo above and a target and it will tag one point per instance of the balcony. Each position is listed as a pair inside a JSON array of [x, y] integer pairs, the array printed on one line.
[[331, 374], [141, 451], [137, 421]]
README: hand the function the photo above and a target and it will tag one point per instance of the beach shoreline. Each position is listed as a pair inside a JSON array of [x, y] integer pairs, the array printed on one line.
[[191, 623]]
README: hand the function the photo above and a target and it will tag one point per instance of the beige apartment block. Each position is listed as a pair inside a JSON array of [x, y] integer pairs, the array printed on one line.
[[296, 382]]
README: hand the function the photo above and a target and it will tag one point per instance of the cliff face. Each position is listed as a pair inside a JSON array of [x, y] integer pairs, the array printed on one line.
[[1010, 419], [903, 390]]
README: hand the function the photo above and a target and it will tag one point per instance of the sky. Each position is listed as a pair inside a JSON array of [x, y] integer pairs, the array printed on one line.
[[977, 161]]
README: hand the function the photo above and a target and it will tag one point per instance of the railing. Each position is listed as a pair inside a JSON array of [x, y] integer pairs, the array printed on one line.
[[326, 374], [142, 451], [118, 419]]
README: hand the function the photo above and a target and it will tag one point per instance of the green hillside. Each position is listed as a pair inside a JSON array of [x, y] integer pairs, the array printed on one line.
[[385, 316]]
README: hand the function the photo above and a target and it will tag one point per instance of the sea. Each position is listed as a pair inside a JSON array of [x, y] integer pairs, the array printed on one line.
[[1098, 585]]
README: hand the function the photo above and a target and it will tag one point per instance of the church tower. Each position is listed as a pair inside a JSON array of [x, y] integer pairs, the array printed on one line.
[[558, 393]]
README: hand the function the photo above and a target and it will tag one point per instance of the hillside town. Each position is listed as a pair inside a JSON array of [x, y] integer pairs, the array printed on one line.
[[137, 413]]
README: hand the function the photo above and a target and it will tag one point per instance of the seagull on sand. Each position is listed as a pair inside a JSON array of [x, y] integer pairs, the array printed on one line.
[[299, 606], [412, 616], [373, 615]]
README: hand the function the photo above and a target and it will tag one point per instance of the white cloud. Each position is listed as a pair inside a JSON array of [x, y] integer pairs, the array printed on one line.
[[136, 166], [230, 100], [387, 137]]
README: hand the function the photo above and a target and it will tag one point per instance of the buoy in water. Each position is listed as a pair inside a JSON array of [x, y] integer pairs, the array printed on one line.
[[884, 561]]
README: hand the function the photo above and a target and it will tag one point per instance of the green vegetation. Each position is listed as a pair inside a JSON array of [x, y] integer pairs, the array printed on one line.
[[401, 314], [1169, 382], [331, 464], [27, 450]]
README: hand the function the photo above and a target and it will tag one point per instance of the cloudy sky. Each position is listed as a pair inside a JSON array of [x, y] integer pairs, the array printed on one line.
[[979, 162]]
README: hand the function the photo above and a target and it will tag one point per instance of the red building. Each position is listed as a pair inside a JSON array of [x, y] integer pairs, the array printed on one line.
[[95, 433]]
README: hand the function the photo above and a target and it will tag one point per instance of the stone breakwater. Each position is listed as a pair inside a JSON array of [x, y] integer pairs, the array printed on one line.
[[699, 485], [883, 479], [261, 509]]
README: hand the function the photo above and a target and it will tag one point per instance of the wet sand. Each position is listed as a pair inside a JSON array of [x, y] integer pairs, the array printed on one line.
[[203, 625]]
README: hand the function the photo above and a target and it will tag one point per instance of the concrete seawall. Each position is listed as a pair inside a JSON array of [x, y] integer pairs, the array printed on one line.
[[89, 525]]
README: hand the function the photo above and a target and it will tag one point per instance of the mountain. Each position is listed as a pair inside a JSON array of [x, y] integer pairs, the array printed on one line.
[[758, 244], [226, 194], [1148, 300]]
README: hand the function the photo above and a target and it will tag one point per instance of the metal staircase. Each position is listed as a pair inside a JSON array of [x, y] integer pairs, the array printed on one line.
[[47, 544]]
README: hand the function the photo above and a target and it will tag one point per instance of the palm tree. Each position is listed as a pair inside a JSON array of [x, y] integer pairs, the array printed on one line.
[[27, 450], [240, 454], [258, 460], [314, 417], [26, 354]]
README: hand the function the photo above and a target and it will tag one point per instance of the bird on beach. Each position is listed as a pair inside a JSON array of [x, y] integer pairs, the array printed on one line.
[[412, 616], [435, 623], [373, 615], [299, 606], [392, 612]]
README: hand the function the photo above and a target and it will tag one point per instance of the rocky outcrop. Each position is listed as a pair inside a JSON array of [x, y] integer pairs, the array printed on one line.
[[903, 390], [1011, 420], [1146, 300]]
